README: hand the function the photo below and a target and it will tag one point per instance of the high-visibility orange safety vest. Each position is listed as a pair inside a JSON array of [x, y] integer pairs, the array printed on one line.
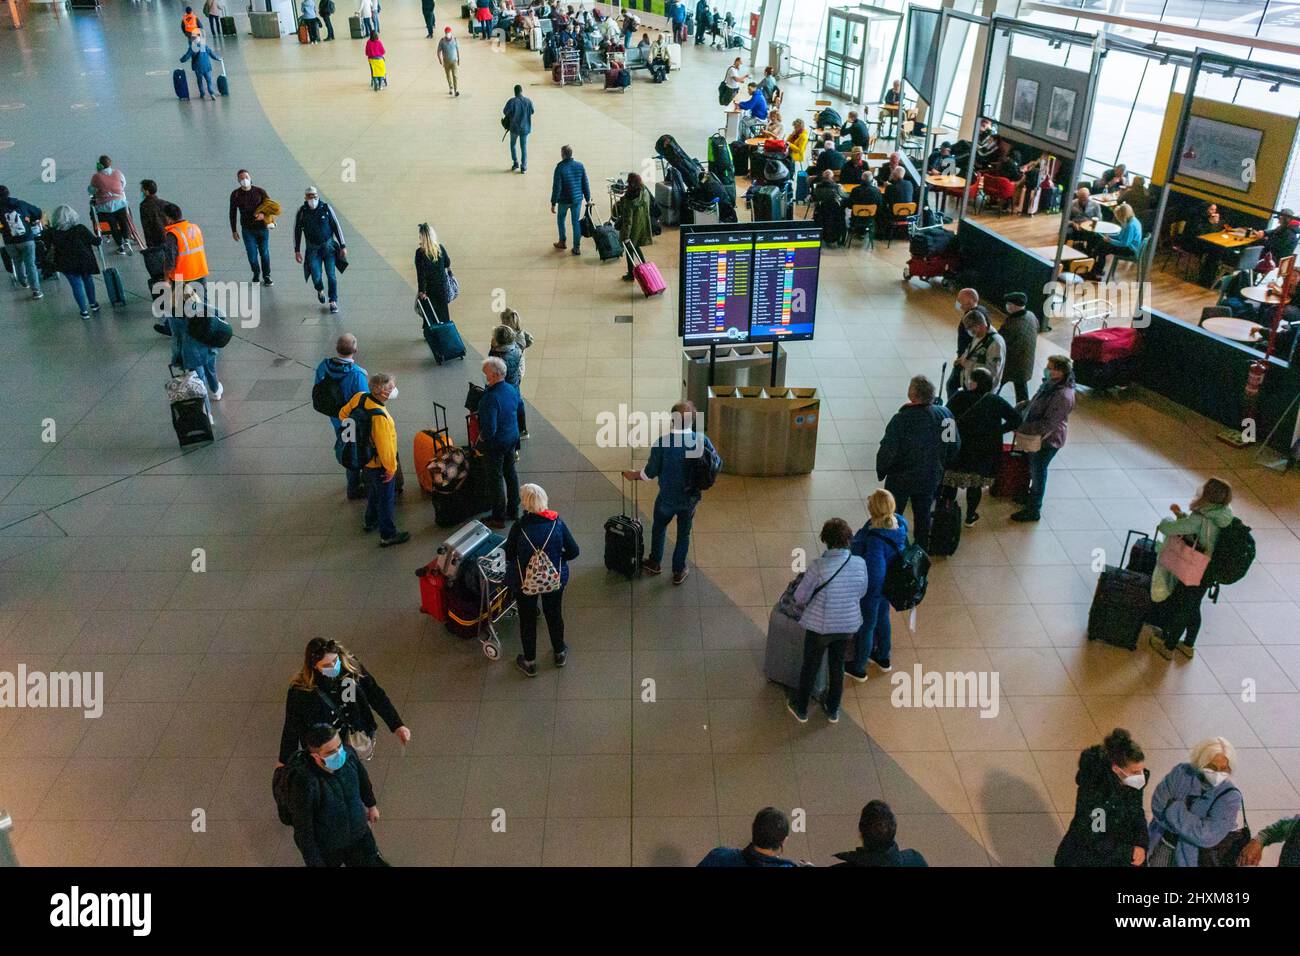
[[191, 262], [190, 23]]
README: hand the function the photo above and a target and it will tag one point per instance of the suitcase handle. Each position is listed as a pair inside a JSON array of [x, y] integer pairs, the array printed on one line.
[[1123, 555], [622, 492]]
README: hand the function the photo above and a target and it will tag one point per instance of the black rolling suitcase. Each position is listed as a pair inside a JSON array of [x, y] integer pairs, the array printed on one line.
[[112, 278], [740, 157], [1142, 555], [469, 499], [945, 527], [228, 28], [608, 245], [188, 398], [1120, 605], [770, 204], [181, 83], [625, 540]]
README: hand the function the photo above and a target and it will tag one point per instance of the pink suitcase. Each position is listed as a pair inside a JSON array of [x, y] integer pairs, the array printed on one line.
[[647, 274]]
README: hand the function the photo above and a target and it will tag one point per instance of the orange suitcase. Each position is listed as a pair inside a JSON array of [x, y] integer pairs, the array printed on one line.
[[428, 443]]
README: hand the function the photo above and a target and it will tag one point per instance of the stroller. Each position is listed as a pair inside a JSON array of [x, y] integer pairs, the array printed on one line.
[[378, 73]]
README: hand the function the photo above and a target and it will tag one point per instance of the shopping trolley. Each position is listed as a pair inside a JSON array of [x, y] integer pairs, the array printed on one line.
[[495, 601]]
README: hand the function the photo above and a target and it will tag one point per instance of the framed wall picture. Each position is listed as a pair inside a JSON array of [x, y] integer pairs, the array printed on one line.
[[1060, 114], [1024, 104]]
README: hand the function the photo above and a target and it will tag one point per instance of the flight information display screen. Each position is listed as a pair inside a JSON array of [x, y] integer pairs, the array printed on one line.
[[748, 282]]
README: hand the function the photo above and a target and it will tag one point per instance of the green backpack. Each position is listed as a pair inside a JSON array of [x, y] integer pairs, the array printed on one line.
[[1234, 552]]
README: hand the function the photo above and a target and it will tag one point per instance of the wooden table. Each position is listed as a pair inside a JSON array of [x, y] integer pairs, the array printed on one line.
[[755, 141], [1109, 201], [943, 131], [1262, 294], [1228, 240], [1239, 330], [946, 182]]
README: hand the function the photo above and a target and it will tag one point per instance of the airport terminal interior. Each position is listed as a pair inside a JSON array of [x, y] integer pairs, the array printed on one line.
[[662, 736]]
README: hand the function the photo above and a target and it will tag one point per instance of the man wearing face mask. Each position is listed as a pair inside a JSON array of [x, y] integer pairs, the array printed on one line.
[[1195, 806], [379, 434], [966, 303], [333, 803], [1109, 826], [1019, 333], [244, 204], [319, 227]]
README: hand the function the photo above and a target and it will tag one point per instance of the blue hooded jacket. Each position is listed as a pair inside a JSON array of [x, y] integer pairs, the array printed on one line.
[[876, 547]]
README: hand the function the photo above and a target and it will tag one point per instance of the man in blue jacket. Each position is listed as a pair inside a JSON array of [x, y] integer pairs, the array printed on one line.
[[569, 189], [498, 438], [19, 223], [672, 459], [346, 379], [319, 226], [919, 442], [767, 840], [518, 113], [756, 104]]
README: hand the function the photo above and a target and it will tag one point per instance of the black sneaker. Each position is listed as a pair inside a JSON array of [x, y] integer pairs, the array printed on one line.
[[972, 518], [400, 538], [680, 576], [561, 657], [38, 294], [320, 296], [649, 567], [524, 436], [94, 307], [859, 676], [802, 718], [529, 668], [577, 251], [885, 666], [162, 329], [513, 167], [1025, 514], [268, 281], [85, 314], [832, 716], [334, 308]]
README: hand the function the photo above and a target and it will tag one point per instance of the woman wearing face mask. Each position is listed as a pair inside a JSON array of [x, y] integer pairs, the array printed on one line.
[[1046, 417], [1195, 806], [1110, 780], [333, 688]]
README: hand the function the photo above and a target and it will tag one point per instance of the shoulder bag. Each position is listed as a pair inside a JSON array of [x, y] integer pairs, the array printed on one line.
[[1183, 560], [796, 609], [358, 740]]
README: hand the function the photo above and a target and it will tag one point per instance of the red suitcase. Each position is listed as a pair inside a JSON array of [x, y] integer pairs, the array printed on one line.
[[647, 274], [1105, 345], [925, 268], [433, 591], [1013, 475]]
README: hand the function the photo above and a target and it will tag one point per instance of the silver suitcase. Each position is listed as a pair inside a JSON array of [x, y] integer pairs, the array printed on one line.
[[783, 660], [463, 542], [667, 211]]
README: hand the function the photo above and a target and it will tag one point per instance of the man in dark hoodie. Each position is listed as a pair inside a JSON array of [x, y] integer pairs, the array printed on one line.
[[346, 377], [919, 442], [878, 830], [333, 803], [767, 840], [1109, 826]]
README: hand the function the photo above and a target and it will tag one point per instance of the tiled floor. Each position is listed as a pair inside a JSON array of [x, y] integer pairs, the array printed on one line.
[[97, 530]]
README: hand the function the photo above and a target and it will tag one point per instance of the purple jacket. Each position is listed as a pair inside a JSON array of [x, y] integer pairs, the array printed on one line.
[[1049, 411]]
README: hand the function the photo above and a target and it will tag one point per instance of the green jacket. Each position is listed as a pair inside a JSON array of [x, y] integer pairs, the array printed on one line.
[[634, 218], [1205, 524]]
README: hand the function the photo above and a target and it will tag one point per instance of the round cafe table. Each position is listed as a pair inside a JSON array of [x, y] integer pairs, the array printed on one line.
[[946, 182], [1239, 330], [1100, 228]]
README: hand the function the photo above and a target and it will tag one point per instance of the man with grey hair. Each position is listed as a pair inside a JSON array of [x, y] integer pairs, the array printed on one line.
[[986, 350], [498, 441], [338, 379], [376, 440], [966, 303], [919, 442]]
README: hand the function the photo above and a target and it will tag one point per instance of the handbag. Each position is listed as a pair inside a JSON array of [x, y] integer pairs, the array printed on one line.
[[1226, 851], [585, 225], [794, 610], [1183, 561], [360, 741], [340, 260], [472, 397], [453, 287], [1025, 442]]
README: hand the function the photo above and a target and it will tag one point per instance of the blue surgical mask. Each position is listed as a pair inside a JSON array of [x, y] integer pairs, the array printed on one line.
[[143, 195], [335, 760], [335, 669]]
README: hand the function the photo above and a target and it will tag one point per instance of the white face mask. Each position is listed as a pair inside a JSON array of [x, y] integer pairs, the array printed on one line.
[[1137, 781], [245, 182], [313, 203], [957, 307], [1214, 777], [393, 393]]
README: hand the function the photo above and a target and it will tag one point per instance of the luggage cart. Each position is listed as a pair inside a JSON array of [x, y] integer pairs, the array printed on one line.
[[495, 601], [570, 68]]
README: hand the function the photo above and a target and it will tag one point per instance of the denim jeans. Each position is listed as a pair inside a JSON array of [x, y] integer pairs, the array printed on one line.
[[317, 256], [257, 244], [83, 288], [663, 515], [522, 159], [922, 507], [24, 256], [814, 647], [381, 498], [209, 371], [552, 609], [572, 210], [505, 482], [873, 639], [1038, 462], [204, 79]]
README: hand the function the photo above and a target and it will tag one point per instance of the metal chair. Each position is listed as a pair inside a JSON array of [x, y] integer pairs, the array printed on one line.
[[1138, 259], [902, 214]]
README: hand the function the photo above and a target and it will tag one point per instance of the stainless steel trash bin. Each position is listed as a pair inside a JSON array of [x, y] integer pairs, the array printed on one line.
[[762, 431], [735, 365]]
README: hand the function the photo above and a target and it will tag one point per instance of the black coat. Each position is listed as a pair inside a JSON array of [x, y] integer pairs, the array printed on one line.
[[899, 191], [431, 279], [74, 250], [302, 708], [982, 420], [328, 809], [891, 857], [1125, 822]]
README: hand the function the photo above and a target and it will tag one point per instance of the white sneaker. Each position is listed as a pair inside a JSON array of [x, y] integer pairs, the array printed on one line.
[[221, 390]]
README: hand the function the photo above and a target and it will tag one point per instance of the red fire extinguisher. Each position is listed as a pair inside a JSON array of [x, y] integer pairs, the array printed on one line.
[[1254, 381]]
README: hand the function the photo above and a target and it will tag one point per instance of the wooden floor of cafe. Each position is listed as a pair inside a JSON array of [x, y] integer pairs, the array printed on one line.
[[1172, 294]]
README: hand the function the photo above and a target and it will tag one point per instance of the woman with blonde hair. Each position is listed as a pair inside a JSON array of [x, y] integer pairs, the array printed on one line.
[[1194, 810], [1177, 608], [775, 129], [876, 542], [433, 276], [798, 142], [538, 550], [1125, 244], [333, 688]]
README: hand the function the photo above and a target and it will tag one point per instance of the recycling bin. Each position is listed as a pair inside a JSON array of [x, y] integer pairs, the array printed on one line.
[[762, 431]]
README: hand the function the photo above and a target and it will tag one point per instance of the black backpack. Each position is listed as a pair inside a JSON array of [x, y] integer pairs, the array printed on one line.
[[282, 785], [354, 454], [1234, 552], [702, 470], [209, 328], [906, 576], [327, 396]]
